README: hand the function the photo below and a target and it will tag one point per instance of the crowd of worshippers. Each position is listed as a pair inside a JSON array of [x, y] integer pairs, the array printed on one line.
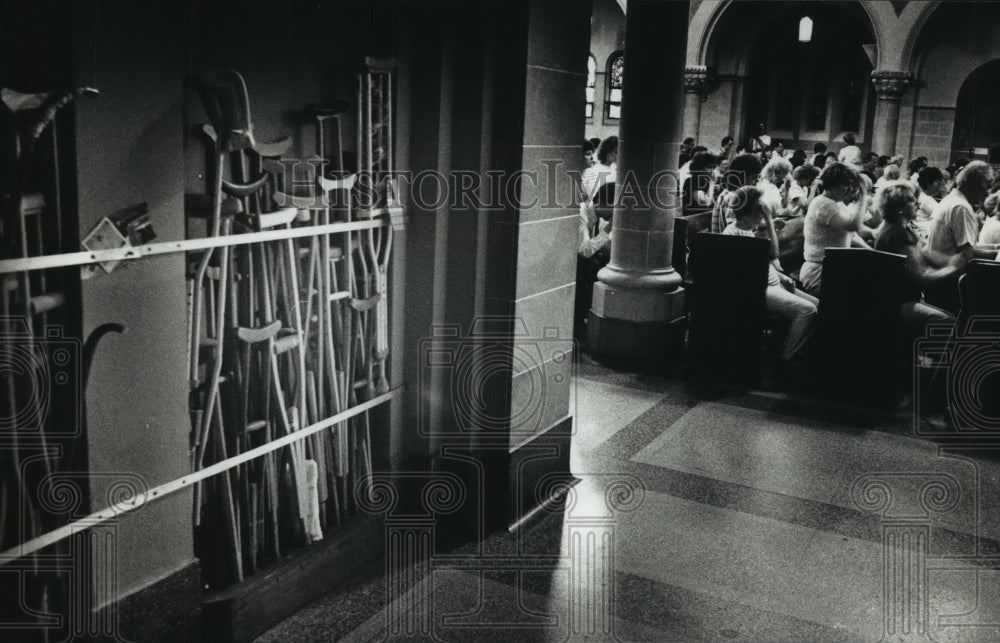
[[803, 204]]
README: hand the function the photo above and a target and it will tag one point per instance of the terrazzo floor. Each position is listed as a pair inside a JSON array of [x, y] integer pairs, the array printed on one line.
[[707, 513]]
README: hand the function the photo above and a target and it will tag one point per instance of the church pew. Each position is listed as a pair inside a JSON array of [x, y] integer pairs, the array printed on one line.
[[726, 312], [685, 228], [979, 290], [856, 351]]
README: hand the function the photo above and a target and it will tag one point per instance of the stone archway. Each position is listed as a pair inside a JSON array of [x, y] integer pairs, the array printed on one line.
[[977, 116], [948, 50], [721, 81]]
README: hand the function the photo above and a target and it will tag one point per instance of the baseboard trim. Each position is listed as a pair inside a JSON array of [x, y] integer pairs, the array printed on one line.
[[167, 610], [244, 611]]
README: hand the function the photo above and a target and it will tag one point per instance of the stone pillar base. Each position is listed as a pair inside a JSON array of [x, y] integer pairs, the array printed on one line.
[[636, 327]]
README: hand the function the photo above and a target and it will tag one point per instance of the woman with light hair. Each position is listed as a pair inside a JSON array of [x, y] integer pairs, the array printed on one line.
[[775, 180], [924, 268], [990, 234]]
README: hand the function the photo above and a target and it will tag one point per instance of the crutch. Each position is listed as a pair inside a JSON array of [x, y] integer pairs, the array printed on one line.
[[328, 354]]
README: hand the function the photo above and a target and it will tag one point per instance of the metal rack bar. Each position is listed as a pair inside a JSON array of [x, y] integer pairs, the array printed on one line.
[[167, 488], [84, 258]]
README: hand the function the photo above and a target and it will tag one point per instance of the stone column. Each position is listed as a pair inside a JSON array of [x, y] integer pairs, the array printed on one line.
[[889, 86], [697, 83], [638, 294]]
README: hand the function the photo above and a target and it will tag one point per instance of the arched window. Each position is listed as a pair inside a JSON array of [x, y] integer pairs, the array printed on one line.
[[591, 83], [616, 71]]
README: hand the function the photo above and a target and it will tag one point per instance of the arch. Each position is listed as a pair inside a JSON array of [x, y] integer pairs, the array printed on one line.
[[703, 30], [977, 122], [908, 63], [942, 57]]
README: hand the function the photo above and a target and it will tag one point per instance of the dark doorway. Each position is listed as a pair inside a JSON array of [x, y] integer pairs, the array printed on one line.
[[977, 115]]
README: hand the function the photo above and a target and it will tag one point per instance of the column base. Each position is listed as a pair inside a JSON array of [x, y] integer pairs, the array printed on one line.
[[630, 343], [636, 327]]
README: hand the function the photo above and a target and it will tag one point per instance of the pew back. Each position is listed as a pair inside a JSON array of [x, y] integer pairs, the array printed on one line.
[[856, 349], [685, 228], [980, 291], [727, 307]]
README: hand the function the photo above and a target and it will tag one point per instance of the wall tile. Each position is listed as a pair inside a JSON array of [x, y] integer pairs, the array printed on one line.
[[540, 197], [564, 17], [553, 111], [546, 254], [549, 314], [540, 397]]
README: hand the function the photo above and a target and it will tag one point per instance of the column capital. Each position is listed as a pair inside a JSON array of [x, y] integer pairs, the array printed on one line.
[[907, 496], [890, 84], [699, 79]]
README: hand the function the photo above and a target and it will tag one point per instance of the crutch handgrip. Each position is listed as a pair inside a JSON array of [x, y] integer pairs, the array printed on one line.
[[346, 183], [273, 149], [286, 343], [365, 304], [239, 190], [259, 334], [273, 219]]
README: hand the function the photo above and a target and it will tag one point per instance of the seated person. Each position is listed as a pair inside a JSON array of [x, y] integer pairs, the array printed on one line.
[[800, 190], [850, 154], [990, 234], [832, 220], [594, 231], [684, 171], [698, 190], [588, 179], [593, 253], [954, 227], [930, 180], [774, 184], [899, 235], [870, 212], [781, 295], [819, 155], [744, 169]]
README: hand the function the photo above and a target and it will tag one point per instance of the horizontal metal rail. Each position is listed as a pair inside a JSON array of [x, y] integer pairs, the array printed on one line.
[[129, 253], [108, 513]]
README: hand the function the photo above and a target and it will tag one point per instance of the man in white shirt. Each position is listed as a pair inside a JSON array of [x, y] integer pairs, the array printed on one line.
[[851, 153], [954, 227]]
